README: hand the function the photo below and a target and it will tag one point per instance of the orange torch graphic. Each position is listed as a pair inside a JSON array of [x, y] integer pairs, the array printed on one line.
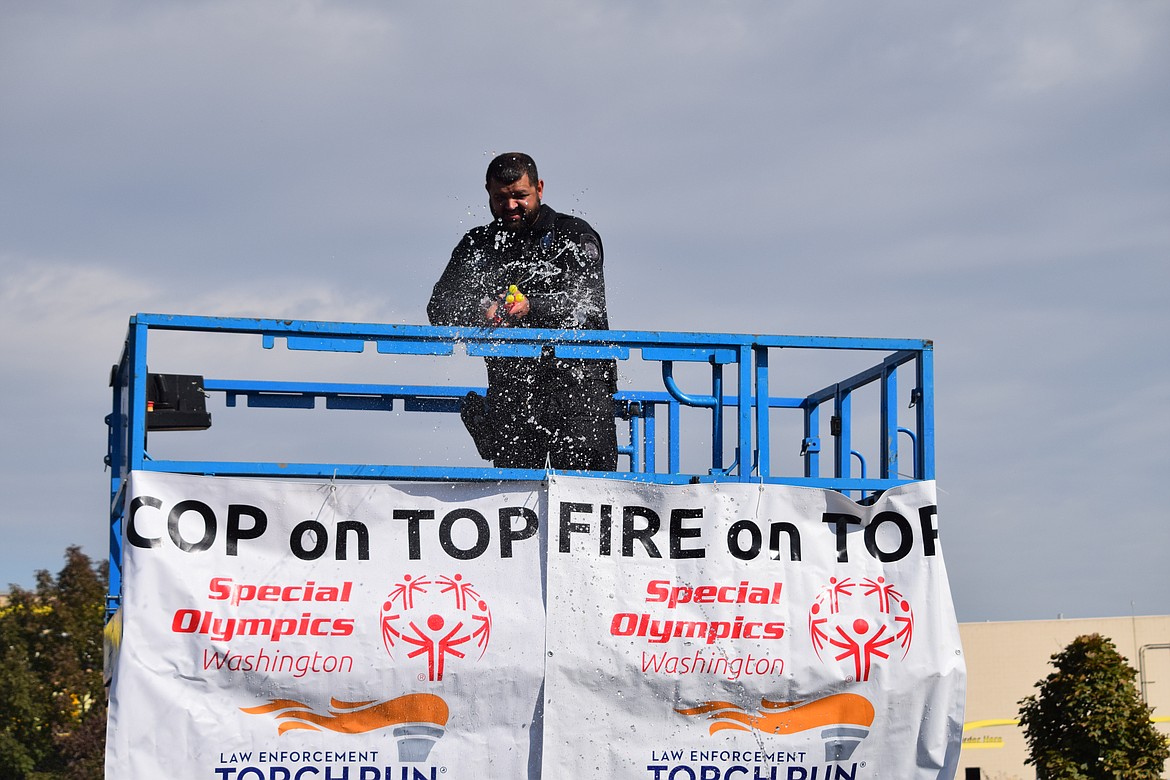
[[844, 719], [418, 720]]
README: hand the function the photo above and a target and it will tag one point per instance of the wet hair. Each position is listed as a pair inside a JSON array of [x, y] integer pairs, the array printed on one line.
[[510, 167]]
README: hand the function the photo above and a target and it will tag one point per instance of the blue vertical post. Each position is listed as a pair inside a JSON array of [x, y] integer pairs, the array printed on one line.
[[744, 449], [889, 422], [812, 435], [116, 460], [763, 417], [127, 449], [136, 428], [635, 443], [925, 407], [673, 423], [843, 447], [717, 415], [651, 432], [116, 423]]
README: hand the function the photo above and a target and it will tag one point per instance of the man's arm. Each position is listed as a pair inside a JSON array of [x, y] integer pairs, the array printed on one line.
[[458, 295], [579, 303]]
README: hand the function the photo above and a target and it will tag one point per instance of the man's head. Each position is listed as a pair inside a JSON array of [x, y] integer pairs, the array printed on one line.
[[514, 190]]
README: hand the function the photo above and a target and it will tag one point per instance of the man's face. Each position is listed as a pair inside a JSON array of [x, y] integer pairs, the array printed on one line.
[[515, 205]]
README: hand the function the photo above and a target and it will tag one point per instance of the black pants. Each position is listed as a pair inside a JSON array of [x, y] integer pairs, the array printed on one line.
[[559, 411]]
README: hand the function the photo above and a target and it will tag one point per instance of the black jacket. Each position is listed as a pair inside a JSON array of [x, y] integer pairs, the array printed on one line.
[[544, 405], [557, 264]]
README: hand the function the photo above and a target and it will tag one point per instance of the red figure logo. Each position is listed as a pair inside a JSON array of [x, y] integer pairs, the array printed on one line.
[[856, 623], [433, 620]]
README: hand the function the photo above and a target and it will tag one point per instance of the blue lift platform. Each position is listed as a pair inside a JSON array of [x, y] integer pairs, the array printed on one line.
[[737, 438]]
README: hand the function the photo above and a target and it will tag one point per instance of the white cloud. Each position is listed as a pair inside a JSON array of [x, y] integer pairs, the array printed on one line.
[[1078, 44]]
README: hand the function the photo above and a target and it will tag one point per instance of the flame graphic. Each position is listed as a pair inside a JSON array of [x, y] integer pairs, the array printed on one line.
[[787, 717], [357, 717]]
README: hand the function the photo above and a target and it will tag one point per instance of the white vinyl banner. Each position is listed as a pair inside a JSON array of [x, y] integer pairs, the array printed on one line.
[[299, 630], [722, 631], [367, 631]]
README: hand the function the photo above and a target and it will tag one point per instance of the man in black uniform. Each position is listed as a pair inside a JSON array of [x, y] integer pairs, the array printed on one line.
[[532, 268]]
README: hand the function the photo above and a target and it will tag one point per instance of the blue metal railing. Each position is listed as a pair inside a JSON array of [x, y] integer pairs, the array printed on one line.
[[741, 419]]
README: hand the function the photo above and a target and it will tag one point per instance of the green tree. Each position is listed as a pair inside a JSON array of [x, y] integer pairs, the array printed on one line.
[[1088, 721], [52, 698]]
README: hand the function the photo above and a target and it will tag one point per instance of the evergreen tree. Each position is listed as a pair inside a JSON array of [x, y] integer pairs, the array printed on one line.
[[52, 697], [1088, 721]]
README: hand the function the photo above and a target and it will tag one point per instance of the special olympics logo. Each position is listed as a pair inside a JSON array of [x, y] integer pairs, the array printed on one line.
[[860, 620], [435, 618]]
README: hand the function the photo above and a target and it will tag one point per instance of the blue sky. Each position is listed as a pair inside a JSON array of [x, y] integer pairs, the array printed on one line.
[[992, 176]]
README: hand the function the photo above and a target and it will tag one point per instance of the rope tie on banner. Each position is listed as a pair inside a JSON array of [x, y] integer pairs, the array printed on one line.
[[330, 495]]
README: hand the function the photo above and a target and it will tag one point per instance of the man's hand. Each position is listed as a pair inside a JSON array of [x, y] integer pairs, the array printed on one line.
[[512, 303], [515, 303]]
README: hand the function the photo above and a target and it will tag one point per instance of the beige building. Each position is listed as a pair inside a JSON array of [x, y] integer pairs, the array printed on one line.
[[1006, 660]]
